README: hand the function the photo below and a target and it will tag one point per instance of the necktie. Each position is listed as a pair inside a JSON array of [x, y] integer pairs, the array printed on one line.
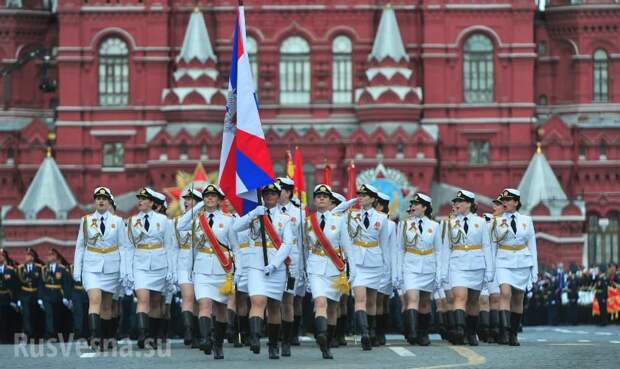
[[102, 226], [322, 221], [146, 223], [513, 224], [465, 227], [420, 225], [284, 209], [210, 220], [366, 220]]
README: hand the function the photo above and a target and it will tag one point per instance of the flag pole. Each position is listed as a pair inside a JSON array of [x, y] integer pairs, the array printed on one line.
[[262, 228]]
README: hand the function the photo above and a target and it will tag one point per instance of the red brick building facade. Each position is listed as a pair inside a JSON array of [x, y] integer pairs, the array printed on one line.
[[426, 95]]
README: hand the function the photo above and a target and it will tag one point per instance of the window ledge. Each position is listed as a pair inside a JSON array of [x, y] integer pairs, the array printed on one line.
[[112, 169]]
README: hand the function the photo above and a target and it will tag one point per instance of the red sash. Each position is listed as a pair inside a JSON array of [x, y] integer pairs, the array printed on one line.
[[273, 235], [215, 244], [329, 250]]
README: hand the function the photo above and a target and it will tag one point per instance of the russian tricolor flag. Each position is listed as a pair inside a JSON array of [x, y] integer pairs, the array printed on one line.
[[245, 163]]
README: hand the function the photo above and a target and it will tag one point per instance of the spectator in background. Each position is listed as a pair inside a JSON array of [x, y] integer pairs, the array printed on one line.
[[573, 296]]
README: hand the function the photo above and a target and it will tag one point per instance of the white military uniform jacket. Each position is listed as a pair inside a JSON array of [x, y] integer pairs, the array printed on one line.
[[417, 252], [377, 231], [296, 220], [282, 225], [161, 231], [453, 236], [90, 241], [223, 229], [502, 234], [336, 233], [185, 258]]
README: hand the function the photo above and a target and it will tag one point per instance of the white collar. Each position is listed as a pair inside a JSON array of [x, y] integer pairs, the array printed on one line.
[[104, 215], [468, 216], [150, 214]]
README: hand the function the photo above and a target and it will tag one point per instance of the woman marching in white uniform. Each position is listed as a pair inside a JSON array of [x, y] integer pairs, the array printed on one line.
[[369, 232], [215, 241], [385, 290], [517, 263], [328, 242], [416, 267], [154, 265], [488, 329], [185, 264], [291, 301], [100, 261], [467, 263], [266, 283]]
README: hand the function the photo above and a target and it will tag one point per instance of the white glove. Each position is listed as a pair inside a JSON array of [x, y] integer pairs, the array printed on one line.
[[40, 302], [178, 300], [351, 202], [170, 277], [66, 302], [15, 306], [129, 277], [270, 269], [77, 277], [19, 304], [258, 211]]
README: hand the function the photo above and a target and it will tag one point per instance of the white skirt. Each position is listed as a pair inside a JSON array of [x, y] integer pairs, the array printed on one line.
[[184, 277], [272, 286], [467, 278], [109, 282], [242, 284], [208, 287], [321, 286], [368, 277], [492, 288], [516, 277], [153, 280], [420, 281]]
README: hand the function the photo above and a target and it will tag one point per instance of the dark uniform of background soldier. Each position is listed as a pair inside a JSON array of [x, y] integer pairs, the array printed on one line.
[[79, 300], [29, 275], [8, 289], [52, 293]]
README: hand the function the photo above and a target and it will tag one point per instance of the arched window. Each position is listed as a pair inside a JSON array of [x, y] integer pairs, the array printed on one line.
[[602, 150], [342, 70], [113, 72], [294, 71], [478, 69], [600, 77], [252, 53], [603, 236]]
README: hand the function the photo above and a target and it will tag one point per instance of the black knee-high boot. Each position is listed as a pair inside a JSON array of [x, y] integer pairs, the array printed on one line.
[[411, 319], [94, 324], [154, 330], [195, 333], [143, 328], [341, 330], [244, 329], [483, 326], [206, 327], [287, 336], [256, 327], [441, 324], [382, 327], [504, 327], [493, 326], [295, 336], [274, 336], [362, 323], [188, 322], [218, 344], [515, 321], [459, 335], [471, 324], [372, 330], [424, 324], [451, 325], [320, 326]]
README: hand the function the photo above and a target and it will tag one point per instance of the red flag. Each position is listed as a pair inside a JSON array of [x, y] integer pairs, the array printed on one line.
[[327, 175], [300, 183], [351, 185]]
